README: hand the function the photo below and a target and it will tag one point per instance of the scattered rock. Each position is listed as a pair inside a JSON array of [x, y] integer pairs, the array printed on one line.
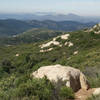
[[49, 43], [96, 91], [95, 29], [17, 55], [56, 43], [65, 36], [66, 43], [97, 32], [76, 52], [50, 49], [70, 44]]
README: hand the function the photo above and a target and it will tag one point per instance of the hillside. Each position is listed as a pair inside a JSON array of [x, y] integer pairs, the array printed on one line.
[[61, 25], [30, 36], [11, 27], [79, 49]]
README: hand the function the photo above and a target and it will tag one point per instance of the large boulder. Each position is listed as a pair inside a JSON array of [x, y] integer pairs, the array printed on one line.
[[63, 75]]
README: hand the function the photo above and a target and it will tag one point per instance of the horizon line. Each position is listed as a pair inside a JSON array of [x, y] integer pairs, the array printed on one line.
[[49, 13]]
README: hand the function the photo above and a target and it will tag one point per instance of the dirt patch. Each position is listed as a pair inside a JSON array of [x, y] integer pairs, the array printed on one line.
[[83, 94]]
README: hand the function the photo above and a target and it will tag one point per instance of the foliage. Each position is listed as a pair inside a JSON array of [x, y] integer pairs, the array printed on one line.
[[7, 66], [40, 88], [66, 93]]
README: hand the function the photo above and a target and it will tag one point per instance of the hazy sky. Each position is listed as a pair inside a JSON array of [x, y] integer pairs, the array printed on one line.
[[81, 7]]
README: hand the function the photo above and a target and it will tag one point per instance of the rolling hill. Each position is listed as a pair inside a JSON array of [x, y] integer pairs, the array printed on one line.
[[11, 27], [30, 36], [60, 25]]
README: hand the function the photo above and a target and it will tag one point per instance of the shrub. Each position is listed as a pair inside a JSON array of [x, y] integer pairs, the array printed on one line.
[[66, 93], [38, 88], [6, 65]]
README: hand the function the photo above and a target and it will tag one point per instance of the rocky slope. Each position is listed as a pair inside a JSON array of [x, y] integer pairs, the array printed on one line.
[[95, 29]]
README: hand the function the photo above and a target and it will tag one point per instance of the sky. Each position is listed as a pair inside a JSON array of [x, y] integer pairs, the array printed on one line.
[[80, 7]]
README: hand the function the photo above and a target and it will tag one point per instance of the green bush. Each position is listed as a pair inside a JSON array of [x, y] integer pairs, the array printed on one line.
[[7, 65], [66, 93], [37, 88]]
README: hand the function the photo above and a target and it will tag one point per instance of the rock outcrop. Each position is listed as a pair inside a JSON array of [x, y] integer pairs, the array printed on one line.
[[68, 76], [95, 29], [56, 42]]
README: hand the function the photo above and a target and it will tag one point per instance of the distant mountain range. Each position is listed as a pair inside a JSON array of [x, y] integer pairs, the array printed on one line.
[[61, 25], [41, 16], [14, 27]]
